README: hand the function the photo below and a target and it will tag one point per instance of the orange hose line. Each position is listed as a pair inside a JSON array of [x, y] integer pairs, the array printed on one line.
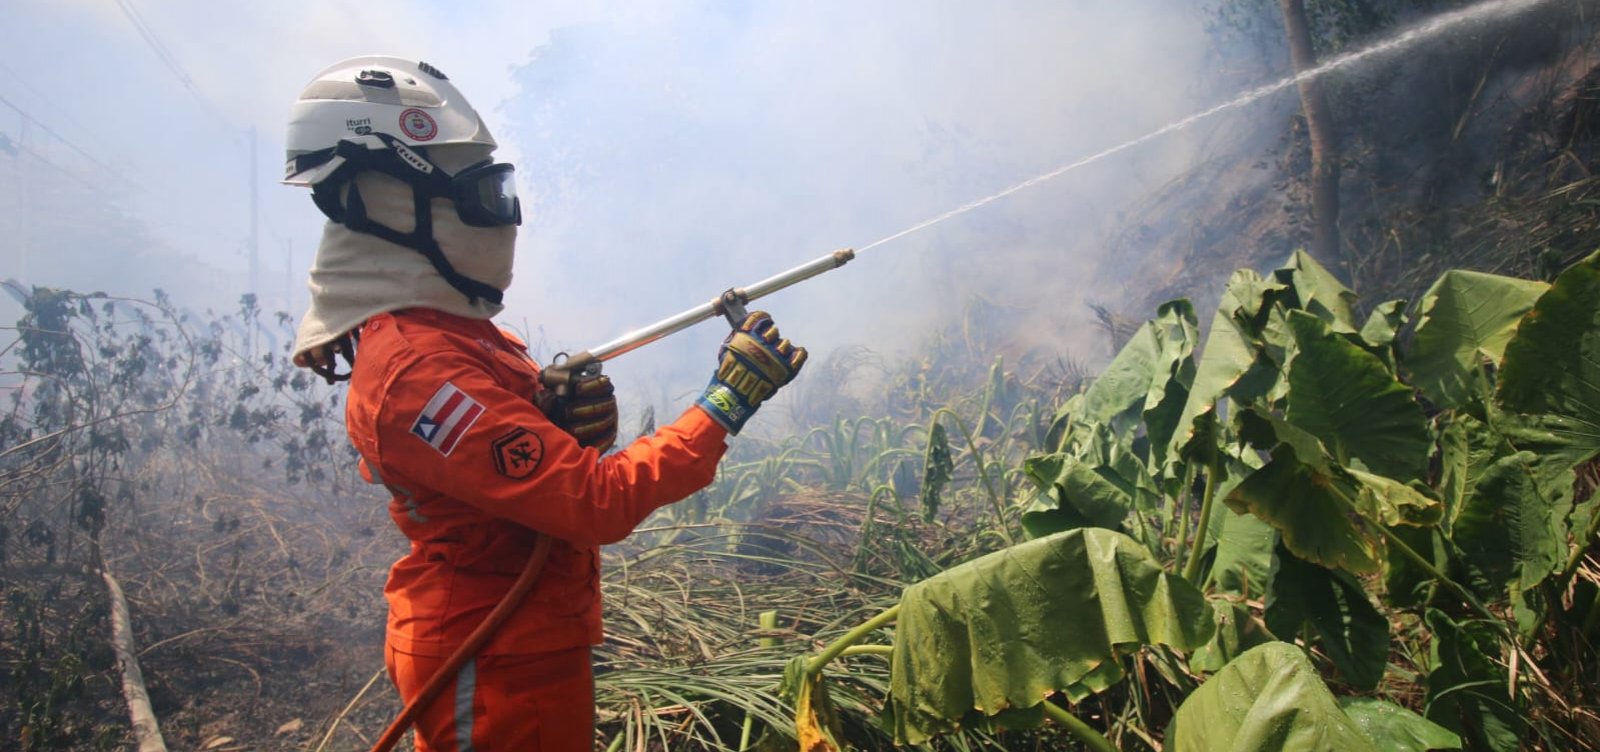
[[475, 642]]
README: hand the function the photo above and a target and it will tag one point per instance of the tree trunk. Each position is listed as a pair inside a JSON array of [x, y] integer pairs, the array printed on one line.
[[146, 733], [1325, 245]]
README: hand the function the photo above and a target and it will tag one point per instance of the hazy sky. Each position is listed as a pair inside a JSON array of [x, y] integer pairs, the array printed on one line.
[[665, 150]]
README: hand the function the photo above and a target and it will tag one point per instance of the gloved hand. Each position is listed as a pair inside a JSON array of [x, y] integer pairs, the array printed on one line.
[[751, 365], [589, 412]]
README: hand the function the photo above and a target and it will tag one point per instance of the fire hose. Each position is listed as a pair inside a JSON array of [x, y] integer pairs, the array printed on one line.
[[560, 377]]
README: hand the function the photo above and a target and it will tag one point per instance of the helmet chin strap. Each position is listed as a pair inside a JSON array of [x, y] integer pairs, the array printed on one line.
[[425, 186], [420, 240]]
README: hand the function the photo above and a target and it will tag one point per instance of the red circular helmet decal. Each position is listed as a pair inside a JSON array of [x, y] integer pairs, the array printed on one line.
[[418, 125]]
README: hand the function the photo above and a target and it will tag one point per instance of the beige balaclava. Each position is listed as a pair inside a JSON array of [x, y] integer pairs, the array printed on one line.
[[356, 276]]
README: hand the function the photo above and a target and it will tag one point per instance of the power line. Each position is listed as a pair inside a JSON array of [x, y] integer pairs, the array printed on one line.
[[40, 96], [65, 140], [52, 165], [163, 52]]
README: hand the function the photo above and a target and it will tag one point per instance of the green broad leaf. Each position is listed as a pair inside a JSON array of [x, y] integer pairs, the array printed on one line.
[[1003, 632], [1550, 376], [1243, 560], [1396, 729], [1064, 425], [1318, 292], [1269, 699], [1467, 447], [1349, 400], [1115, 459], [1308, 508], [1352, 631], [1169, 390], [1043, 518], [1382, 327], [1467, 690], [1234, 361], [1466, 320], [937, 469], [1390, 502], [1154, 369], [1095, 495], [1237, 630], [1512, 529], [1264, 431], [1406, 583], [1325, 513], [1384, 323]]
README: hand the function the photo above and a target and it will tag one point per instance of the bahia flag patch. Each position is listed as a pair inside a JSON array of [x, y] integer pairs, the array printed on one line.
[[446, 418]]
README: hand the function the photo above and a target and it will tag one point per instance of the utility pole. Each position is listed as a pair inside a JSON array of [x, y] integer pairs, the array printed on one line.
[[25, 217], [255, 213], [288, 275], [255, 244]]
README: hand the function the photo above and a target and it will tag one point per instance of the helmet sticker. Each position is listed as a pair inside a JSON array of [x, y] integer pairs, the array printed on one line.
[[418, 125]]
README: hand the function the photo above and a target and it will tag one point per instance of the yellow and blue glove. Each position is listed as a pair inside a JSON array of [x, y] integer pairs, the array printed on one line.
[[589, 412], [752, 364]]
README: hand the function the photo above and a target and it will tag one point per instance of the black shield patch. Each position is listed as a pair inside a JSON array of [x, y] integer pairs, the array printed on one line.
[[518, 453]]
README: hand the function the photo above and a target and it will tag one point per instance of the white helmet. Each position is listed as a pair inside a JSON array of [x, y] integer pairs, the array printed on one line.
[[411, 101]]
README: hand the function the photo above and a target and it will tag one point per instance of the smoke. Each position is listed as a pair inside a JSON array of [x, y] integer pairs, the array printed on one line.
[[676, 152], [667, 151]]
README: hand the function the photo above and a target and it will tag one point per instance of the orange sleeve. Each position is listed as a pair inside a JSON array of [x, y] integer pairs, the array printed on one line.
[[448, 425]]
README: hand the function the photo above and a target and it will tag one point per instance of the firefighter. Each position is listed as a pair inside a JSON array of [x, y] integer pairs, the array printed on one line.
[[447, 412]]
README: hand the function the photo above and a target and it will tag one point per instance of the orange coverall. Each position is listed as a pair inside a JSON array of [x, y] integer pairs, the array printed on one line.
[[440, 411]]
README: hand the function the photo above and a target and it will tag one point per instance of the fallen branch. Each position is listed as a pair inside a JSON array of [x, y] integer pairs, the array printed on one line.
[[146, 732]]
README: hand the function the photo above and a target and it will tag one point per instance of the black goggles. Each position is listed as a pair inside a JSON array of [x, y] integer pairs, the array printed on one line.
[[485, 194]]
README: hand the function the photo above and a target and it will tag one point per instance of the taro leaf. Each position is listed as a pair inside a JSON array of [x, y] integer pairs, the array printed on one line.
[[1269, 699], [1384, 323], [1169, 390], [1151, 374], [1550, 377], [1390, 502], [1346, 397], [1467, 690], [1378, 334], [1005, 631], [1303, 504], [1065, 425], [1319, 292], [1353, 632], [1240, 544], [1234, 362], [1512, 529], [1094, 494], [1043, 517], [1405, 582], [1395, 729], [1237, 630], [1467, 448], [1467, 318], [937, 468], [1243, 562], [1264, 431], [1310, 500], [1119, 391]]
